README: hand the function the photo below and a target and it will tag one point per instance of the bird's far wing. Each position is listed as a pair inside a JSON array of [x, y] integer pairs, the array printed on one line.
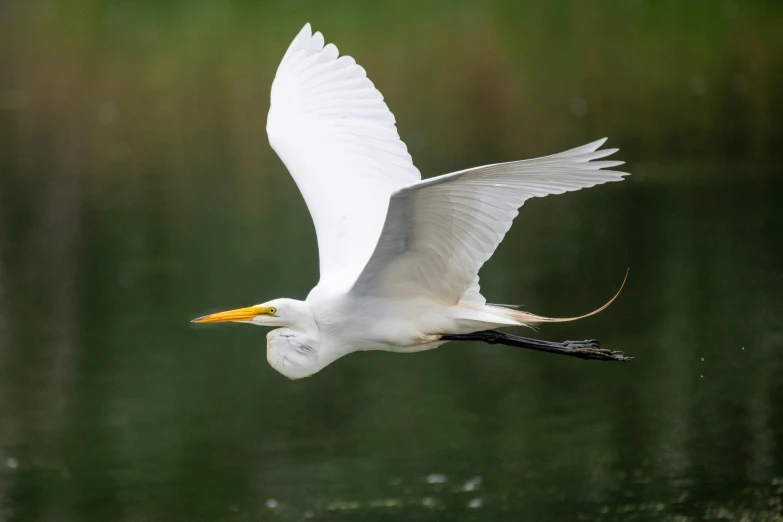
[[338, 139], [439, 232]]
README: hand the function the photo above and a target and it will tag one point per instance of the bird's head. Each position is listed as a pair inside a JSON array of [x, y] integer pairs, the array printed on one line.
[[292, 350], [278, 312]]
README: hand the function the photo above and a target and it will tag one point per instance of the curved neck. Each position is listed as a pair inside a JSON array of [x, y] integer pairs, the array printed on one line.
[[300, 318]]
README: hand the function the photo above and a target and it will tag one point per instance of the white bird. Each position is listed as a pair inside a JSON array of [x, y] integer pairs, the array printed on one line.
[[399, 256]]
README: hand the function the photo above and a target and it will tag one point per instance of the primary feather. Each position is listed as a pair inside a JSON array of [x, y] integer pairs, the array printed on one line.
[[439, 232], [332, 129]]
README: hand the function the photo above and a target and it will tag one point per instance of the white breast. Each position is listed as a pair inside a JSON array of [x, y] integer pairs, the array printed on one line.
[[292, 354]]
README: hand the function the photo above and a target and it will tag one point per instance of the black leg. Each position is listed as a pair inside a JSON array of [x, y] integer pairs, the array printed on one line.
[[590, 349]]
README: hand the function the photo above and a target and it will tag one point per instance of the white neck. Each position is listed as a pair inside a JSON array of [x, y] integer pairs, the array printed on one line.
[[294, 350], [298, 316]]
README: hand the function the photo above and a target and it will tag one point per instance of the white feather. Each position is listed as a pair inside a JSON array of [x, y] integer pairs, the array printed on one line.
[[332, 129], [439, 232]]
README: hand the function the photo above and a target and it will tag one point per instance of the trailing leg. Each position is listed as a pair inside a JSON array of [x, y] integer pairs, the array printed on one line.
[[589, 349]]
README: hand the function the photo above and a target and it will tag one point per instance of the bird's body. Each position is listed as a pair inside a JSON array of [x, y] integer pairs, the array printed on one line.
[[341, 325], [399, 257]]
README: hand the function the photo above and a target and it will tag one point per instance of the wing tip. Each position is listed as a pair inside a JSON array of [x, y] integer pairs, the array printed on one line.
[[610, 164], [301, 40], [582, 149], [597, 144], [303, 37]]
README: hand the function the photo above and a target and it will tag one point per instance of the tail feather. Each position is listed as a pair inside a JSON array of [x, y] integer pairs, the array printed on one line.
[[528, 319]]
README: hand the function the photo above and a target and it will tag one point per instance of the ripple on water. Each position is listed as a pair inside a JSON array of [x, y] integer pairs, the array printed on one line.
[[430, 503], [436, 478], [343, 505], [475, 503], [385, 503], [472, 484]]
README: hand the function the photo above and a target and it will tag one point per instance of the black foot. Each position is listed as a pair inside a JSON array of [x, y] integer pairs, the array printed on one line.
[[591, 349], [588, 349]]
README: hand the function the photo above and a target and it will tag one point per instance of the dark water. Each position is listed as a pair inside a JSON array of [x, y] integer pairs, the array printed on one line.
[[137, 191]]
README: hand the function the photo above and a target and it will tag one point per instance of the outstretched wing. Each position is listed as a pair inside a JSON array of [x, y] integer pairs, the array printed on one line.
[[332, 129], [439, 232]]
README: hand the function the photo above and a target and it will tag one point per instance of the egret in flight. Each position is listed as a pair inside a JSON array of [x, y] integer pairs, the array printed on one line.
[[398, 256]]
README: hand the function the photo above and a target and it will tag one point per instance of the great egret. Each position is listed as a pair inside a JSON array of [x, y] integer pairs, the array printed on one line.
[[399, 257]]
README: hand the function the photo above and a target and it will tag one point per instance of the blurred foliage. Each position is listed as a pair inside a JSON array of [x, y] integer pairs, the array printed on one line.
[[149, 82]]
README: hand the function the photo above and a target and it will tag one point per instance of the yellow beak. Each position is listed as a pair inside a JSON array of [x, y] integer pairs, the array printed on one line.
[[240, 314]]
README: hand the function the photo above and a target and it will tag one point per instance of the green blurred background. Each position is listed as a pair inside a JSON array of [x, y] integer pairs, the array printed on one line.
[[138, 190]]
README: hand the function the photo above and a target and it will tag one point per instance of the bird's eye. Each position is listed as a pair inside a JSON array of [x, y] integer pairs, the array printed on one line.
[[273, 311]]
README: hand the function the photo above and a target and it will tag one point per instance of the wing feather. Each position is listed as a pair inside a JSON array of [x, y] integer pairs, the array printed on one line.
[[439, 232], [338, 139]]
